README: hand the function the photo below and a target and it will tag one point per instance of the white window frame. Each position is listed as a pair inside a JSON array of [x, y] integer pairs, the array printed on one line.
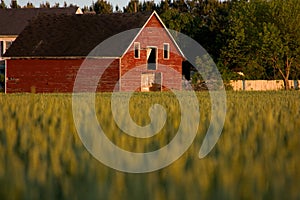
[[168, 49], [137, 44], [2, 49], [5, 45]]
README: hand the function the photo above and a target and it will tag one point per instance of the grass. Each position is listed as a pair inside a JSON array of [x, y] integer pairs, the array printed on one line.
[[256, 157]]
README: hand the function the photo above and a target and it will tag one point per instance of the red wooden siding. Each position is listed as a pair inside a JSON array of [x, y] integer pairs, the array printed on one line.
[[54, 75], [58, 75], [152, 35]]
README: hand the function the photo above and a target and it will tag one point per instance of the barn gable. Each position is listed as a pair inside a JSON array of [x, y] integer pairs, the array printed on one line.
[[155, 21], [145, 64]]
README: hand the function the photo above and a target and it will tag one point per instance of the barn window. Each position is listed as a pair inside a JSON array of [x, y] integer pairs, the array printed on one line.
[[136, 50], [7, 44], [1, 48], [166, 51], [4, 45]]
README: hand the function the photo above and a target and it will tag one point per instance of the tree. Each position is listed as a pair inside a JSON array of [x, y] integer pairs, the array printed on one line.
[[45, 5], [179, 21], [264, 39], [236, 53], [148, 6], [117, 9], [3, 5], [102, 6], [14, 4], [163, 6], [180, 5], [211, 18], [281, 38], [133, 6], [29, 5], [56, 5]]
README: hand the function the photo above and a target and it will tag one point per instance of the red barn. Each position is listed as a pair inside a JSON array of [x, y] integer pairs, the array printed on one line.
[[49, 52]]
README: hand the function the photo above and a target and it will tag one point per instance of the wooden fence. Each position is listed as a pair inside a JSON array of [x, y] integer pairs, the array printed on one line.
[[262, 85]]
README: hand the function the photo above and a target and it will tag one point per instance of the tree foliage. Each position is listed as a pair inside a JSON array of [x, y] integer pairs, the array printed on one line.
[[2, 5], [264, 39], [14, 4], [102, 7], [133, 6], [45, 5]]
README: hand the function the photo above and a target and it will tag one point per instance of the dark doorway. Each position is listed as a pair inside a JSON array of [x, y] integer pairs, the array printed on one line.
[[151, 62], [186, 70]]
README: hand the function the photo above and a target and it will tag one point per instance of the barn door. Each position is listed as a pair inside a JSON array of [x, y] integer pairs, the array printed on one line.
[[157, 82], [151, 81]]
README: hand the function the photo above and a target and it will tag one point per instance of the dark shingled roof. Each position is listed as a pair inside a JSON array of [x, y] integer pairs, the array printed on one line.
[[75, 35], [13, 21]]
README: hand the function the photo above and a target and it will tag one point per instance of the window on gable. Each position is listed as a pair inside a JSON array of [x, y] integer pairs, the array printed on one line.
[[4, 45], [166, 51], [136, 50], [7, 44], [1, 48]]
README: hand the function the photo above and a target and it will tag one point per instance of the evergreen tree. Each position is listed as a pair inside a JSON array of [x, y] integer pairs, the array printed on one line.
[[45, 5], [133, 6], [14, 4], [3, 5], [102, 6], [29, 5]]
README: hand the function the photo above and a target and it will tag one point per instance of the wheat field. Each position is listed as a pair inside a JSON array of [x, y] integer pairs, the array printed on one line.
[[256, 157]]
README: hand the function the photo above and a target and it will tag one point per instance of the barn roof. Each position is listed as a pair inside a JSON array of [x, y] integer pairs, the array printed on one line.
[[13, 21], [74, 35]]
